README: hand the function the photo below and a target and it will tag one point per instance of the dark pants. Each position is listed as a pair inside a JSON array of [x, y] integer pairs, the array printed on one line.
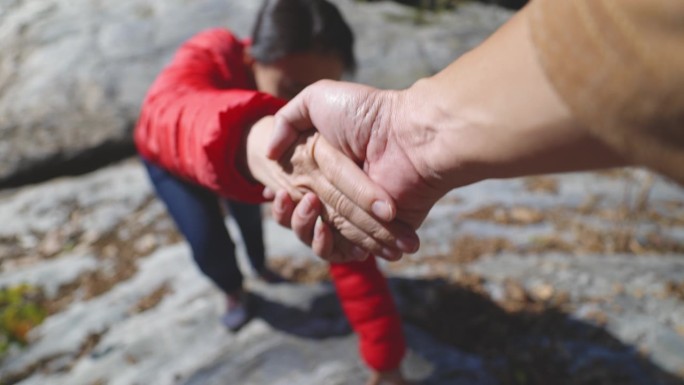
[[199, 217]]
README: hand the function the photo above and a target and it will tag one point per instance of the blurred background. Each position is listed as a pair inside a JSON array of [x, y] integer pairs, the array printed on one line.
[[558, 279]]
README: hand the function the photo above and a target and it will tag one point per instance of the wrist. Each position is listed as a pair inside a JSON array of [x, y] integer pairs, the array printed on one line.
[[443, 135], [499, 121], [254, 149]]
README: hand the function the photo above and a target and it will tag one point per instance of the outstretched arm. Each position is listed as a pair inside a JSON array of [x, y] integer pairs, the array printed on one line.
[[490, 114]]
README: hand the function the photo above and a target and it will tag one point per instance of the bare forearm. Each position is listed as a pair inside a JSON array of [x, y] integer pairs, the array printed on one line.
[[493, 114], [257, 165]]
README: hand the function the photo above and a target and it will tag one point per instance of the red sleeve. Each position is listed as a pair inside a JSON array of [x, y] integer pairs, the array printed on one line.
[[368, 304], [195, 114]]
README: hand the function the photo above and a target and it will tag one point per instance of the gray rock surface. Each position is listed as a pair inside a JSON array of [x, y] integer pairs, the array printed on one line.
[[74, 72], [618, 323], [576, 277], [590, 280]]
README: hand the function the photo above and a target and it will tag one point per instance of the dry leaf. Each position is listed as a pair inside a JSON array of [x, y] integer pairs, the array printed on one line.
[[543, 291]]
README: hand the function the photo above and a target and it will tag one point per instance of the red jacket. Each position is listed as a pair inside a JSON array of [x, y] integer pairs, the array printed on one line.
[[191, 124]]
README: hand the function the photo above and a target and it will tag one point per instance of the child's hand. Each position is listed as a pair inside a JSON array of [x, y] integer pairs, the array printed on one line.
[[303, 171]]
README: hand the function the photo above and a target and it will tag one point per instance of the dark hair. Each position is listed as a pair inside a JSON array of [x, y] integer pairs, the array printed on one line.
[[285, 27]]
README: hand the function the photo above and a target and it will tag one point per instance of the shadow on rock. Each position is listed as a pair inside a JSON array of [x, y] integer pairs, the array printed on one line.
[[321, 317], [464, 336], [534, 345]]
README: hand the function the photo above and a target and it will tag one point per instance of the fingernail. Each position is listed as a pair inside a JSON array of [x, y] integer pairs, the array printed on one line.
[[391, 254], [408, 244], [359, 253], [318, 228], [268, 194], [382, 210], [308, 206]]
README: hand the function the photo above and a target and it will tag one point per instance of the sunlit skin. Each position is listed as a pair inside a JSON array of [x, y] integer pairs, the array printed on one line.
[[457, 127]]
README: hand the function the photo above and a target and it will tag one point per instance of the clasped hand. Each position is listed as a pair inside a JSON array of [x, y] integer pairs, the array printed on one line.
[[354, 163], [341, 213]]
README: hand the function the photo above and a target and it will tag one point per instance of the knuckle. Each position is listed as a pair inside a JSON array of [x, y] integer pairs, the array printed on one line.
[[360, 193], [343, 205], [356, 237], [381, 233], [336, 220], [371, 245], [339, 204], [370, 227]]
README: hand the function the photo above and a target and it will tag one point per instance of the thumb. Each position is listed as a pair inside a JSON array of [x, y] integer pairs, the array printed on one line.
[[283, 137], [293, 119]]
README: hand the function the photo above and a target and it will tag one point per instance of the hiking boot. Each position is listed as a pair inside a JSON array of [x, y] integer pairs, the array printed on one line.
[[236, 315]]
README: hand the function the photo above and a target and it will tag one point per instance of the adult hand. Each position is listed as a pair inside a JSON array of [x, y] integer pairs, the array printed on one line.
[[366, 124], [465, 124], [304, 174]]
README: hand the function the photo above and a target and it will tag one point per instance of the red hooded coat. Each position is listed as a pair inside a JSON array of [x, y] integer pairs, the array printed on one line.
[[192, 123]]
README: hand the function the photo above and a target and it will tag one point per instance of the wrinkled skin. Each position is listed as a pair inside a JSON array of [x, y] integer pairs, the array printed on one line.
[[304, 173], [386, 152]]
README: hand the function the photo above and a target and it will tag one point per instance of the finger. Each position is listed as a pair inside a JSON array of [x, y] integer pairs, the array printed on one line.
[[304, 218], [282, 208], [285, 134], [364, 229], [323, 240], [268, 194], [345, 251], [358, 237], [394, 235], [352, 181]]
